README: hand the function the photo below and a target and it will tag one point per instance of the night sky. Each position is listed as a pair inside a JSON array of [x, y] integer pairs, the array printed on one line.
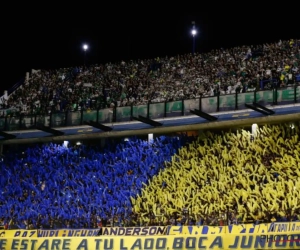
[[51, 36]]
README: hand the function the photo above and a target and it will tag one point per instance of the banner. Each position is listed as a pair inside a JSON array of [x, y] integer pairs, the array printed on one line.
[[135, 231], [139, 110], [58, 119], [123, 113], [20, 233], [244, 98], [174, 108], [196, 230], [67, 233], [106, 231], [227, 102], [276, 227], [267, 97], [156, 110], [209, 104], [257, 241], [287, 95], [190, 105]]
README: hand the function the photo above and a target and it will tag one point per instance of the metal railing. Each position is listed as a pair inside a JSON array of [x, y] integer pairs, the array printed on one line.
[[210, 104]]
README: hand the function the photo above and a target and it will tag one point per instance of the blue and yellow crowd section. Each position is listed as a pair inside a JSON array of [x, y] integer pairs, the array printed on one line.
[[285, 235]]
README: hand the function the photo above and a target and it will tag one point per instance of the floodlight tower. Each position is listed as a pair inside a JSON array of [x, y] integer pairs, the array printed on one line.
[[85, 48], [194, 33]]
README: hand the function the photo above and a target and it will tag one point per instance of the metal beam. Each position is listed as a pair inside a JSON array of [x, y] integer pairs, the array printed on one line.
[[274, 119], [49, 130], [98, 126], [259, 108], [7, 136], [204, 115], [270, 111], [147, 121]]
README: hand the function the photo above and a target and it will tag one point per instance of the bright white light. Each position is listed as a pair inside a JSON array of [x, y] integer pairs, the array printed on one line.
[[150, 138], [254, 129], [194, 32], [126, 139], [85, 47], [78, 143], [292, 126], [65, 144]]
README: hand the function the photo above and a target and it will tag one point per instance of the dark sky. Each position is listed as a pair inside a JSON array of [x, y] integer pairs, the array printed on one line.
[[50, 36]]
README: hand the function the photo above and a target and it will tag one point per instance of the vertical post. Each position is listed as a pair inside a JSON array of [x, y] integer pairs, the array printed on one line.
[[148, 109], [20, 121], [182, 107], [295, 92], [6, 123], [66, 118], [193, 45], [165, 111], [194, 32], [254, 96], [97, 118], [275, 96], [50, 120], [227, 217], [85, 47], [95, 106], [218, 102], [236, 100], [131, 111], [81, 116], [271, 80], [200, 103], [261, 84], [115, 113]]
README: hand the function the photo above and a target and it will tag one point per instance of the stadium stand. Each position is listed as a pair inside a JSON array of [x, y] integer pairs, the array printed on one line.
[[217, 178], [238, 176], [219, 72], [78, 184]]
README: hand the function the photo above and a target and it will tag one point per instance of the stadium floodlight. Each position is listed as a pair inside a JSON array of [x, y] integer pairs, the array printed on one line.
[[65, 144], [85, 48], [194, 33]]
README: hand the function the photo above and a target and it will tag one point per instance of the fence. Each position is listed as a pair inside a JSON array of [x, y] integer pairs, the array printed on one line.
[[213, 104]]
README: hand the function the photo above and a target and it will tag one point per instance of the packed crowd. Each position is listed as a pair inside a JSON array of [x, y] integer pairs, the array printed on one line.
[[230, 176], [214, 179], [56, 186], [221, 71]]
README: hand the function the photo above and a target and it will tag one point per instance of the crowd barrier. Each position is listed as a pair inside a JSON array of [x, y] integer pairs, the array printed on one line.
[[152, 110], [231, 241]]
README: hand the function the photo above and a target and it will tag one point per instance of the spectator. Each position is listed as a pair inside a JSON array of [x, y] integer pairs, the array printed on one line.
[[239, 69]]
